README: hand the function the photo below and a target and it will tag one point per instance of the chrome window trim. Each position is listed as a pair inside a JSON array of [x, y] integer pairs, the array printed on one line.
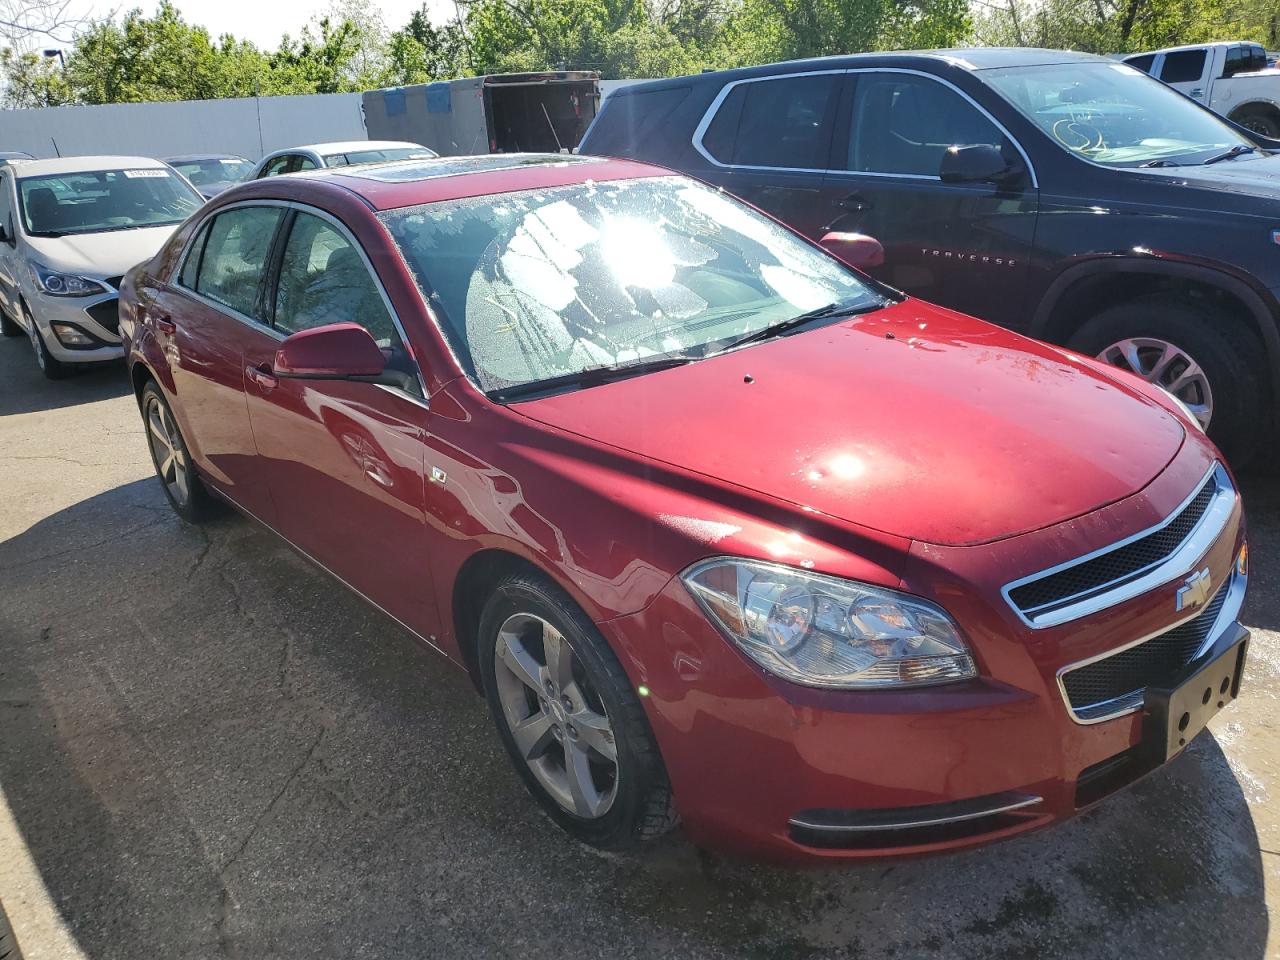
[[709, 116], [1236, 586], [838, 828], [1179, 561], [175, 277]]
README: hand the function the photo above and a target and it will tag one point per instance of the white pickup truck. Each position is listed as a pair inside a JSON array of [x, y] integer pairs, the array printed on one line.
[[1231, 79]]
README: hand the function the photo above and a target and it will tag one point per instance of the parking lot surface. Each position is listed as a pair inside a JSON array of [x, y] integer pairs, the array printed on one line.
[[208, 748]]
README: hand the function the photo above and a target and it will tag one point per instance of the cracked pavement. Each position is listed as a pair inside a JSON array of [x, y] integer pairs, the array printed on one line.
[[210, 749]]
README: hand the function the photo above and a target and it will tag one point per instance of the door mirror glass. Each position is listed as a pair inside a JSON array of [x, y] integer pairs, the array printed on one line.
[[856, 249], [975, 163], [337, 351]]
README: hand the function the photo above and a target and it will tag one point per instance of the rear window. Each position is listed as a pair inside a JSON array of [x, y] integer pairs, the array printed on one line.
[[780, 122], [628, 121], [352, 157]]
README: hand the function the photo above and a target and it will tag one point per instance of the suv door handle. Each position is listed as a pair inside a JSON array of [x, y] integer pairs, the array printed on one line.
[[856, 202], [263, 377]]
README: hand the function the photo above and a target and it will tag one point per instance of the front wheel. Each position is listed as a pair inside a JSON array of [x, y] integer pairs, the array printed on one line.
[[1201, 355], [50, 366], [570, 721]]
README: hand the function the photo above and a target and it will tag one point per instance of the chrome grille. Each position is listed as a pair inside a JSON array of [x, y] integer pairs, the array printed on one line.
[[1133, 566]]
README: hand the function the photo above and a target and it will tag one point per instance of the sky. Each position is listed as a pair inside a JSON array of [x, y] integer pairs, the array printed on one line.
[[262, 23]]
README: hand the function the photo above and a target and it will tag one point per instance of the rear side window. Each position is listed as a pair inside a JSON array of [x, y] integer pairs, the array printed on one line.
[[782, 122], [1143, 63], [629, 121], [902, 124], [1185, 66], [234, 258], [304, 163], [276, 166]]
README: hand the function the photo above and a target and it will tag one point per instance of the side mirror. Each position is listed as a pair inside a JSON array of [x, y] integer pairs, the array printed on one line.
[[856, 249], [337, 351], [976, 163]]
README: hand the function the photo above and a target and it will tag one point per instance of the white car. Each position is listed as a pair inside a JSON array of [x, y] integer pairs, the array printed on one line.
[[341, 154], [69, 230], [1234, 80]]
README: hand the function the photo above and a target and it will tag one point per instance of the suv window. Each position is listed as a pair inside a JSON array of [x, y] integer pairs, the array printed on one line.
[[1143, 63], [276, 166], [1185, 66], [324, 279], [304, 163], [775, 123], [234, 257], [903, 124]]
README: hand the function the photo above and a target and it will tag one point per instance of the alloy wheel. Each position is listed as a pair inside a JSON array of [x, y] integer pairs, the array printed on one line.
[[1168, 367], [167, 451], [555, 717]]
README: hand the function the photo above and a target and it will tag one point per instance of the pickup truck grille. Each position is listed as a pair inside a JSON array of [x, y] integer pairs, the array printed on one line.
[[1115, 574]]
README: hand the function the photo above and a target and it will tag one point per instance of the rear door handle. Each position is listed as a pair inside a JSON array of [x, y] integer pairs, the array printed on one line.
[[856, 202], [263, 377]]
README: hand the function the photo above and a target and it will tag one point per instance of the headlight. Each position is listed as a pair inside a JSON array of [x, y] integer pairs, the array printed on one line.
[[826, 632], [64, 284]]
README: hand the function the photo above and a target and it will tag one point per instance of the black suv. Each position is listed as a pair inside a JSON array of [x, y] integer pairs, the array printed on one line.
[[1068, 196]]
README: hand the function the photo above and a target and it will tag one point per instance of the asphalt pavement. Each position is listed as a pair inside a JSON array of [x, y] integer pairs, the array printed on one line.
[[208, 748]]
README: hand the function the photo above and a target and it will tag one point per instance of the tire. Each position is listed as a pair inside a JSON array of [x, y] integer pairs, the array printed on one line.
[[190, 500], [8, 327], [639, 806], [1228, 354], [50, 366], [1262, 123]]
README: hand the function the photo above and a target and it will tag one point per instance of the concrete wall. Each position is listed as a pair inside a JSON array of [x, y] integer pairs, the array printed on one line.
[[248, 127]]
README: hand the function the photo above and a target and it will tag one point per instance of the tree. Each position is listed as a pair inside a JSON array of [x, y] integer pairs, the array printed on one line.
[[23, 22], [1103, 26], [31, 80], [420, 52]]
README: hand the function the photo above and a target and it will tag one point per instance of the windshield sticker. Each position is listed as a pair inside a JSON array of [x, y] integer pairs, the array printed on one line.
[[133, 174]]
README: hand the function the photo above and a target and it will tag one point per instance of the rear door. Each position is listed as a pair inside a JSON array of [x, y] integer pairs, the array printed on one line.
[[206, 322], [344, 460], [769, 140], [963, 245]]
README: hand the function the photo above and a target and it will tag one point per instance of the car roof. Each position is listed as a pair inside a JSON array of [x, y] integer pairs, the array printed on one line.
[[196, 157], [15, 155], [38, 168], [403, 183], [342, 146]]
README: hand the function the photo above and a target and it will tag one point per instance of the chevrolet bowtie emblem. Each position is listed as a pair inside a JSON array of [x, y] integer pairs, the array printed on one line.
[[1194, 592]]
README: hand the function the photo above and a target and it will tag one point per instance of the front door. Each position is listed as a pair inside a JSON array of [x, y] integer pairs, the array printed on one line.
[[205, 323], [966, 246], [770, 139], [345, 461], [1186, 71]]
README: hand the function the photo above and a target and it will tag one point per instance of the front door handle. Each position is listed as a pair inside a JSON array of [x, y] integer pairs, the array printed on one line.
[[856, 203], [164, 324], [263, 377]]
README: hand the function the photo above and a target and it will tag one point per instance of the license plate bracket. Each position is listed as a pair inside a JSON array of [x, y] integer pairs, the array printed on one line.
[[1174, 715]]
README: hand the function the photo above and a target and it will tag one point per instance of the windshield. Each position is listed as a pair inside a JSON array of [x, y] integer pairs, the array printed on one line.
[[1111, 113], [104, 200], [546, 283], [375, 156], [204, 173]]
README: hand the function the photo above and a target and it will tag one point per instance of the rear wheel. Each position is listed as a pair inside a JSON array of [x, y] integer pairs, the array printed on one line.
[[570, 721], [50, 366], [1198, 353], [1266, 124], [185, 492]]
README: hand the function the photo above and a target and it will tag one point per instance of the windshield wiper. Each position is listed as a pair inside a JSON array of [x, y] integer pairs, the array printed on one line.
[[1239, 150], [839, 309], [591, 377], [1160, 163]]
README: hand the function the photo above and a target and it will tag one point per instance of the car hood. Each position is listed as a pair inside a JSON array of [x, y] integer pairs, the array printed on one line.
[[913, 420], [1248, 176], [107, 254]]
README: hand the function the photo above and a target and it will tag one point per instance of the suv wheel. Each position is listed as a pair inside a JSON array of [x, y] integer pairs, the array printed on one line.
[[569, 717], [1198, 354], [177, 474], [1261, 123], [50, 366]]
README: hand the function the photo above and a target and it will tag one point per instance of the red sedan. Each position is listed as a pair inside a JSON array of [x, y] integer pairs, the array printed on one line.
[[725, 531]]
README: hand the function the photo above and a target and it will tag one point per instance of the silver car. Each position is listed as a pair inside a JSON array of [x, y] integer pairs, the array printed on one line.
[[345, 153], [69, 230]]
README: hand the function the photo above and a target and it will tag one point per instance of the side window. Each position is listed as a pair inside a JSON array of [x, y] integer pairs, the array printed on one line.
[[235, 257], [903, 124], [1143, 63], [1186, 66], [276, 166], [191, 267], [786, 123], [304, 163], [323, 279]]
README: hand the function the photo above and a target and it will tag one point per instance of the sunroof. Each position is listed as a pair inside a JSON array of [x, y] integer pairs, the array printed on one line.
[[406, 170]]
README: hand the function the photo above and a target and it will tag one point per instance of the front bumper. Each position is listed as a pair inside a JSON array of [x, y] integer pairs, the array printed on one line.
[[95, 317], [772, 769]]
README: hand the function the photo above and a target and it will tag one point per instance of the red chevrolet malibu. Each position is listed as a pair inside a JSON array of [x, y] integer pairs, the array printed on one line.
[[726, 532]]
